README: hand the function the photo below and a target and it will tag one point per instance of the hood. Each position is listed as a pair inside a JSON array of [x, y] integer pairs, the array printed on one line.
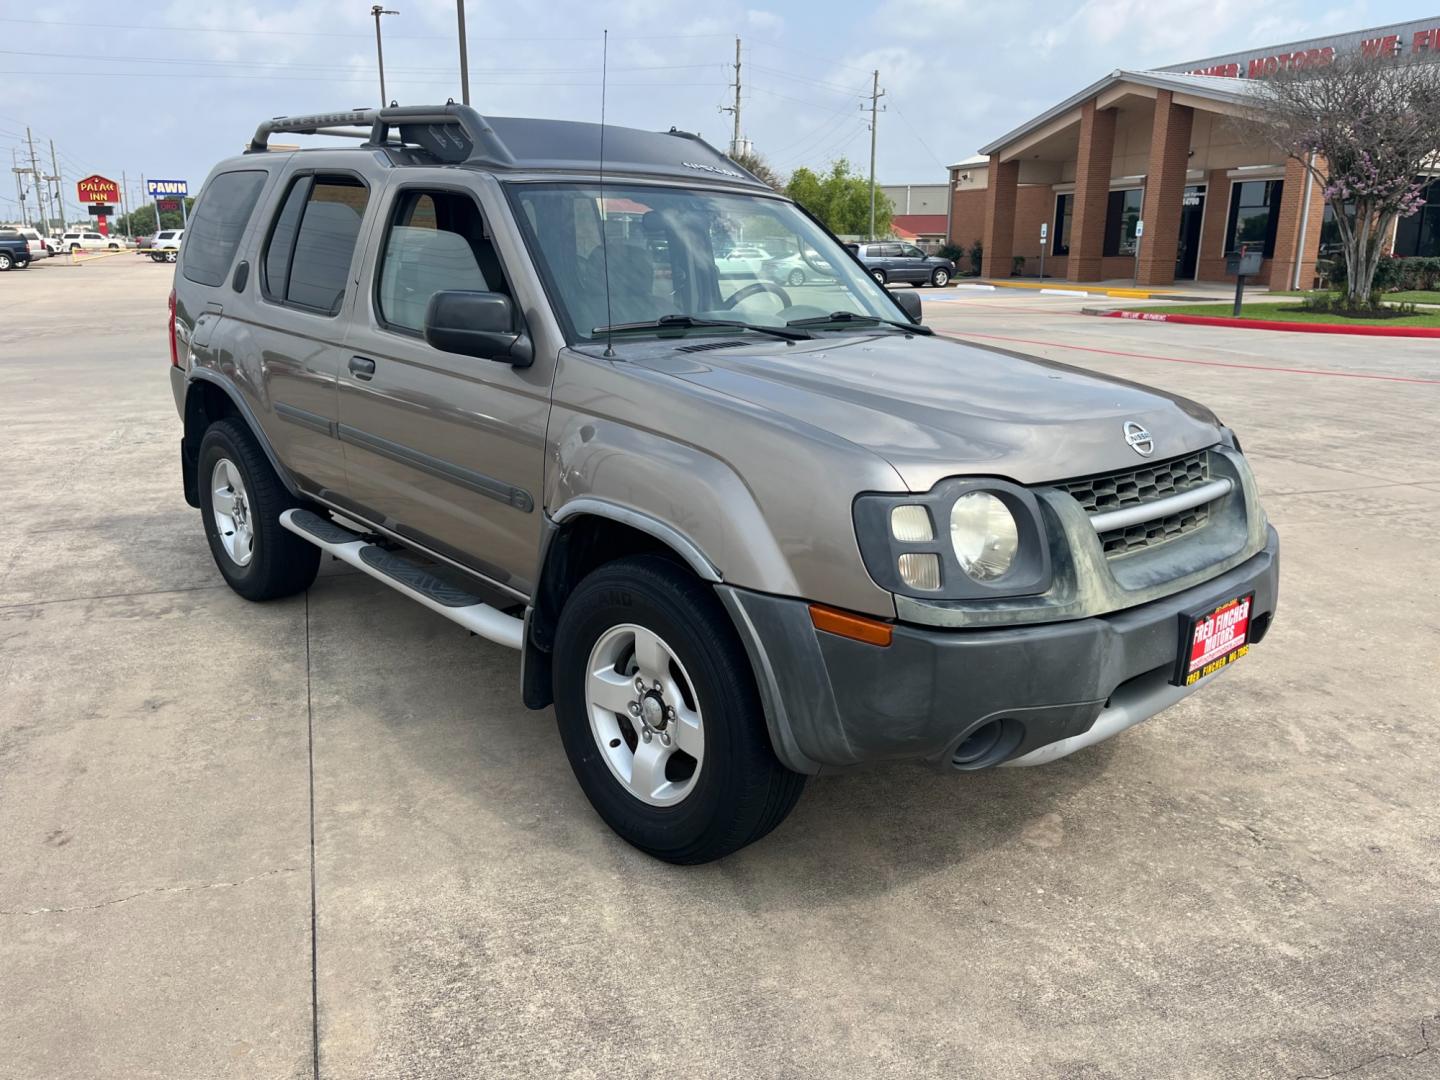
[[933, 407]]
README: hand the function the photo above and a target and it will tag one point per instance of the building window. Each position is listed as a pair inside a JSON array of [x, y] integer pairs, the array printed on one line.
[[1121, 216], [1419, 234], [1064, 209], [1254, 215]]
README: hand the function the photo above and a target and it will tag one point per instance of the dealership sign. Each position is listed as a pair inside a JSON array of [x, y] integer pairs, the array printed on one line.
[[162, 188], [1419, 39], [97, 189]]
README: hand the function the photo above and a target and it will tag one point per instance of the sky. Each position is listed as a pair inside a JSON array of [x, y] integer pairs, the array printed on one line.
[[167, 90]]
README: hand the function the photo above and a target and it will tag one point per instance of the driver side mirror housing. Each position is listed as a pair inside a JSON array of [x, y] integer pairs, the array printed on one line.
[[909, 302], [480, 324]]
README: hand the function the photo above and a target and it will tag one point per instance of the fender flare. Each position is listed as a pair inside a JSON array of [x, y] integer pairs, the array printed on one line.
[[671, 537], [228, 387]]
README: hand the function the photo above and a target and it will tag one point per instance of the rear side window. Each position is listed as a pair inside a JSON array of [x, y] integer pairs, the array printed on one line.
[[218, 223], [307, 260]]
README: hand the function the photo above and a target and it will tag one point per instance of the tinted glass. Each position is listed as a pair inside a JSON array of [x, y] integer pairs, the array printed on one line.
[[1121, 215], [1252, 215], [435, 241], [325, 243], [218, 222], [1063, 206], [282, 240]]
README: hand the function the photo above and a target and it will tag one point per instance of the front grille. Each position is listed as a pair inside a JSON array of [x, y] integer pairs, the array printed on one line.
[[1132, 487]]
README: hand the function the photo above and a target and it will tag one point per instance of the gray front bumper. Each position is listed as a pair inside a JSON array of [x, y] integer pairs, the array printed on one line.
[[832, 702]]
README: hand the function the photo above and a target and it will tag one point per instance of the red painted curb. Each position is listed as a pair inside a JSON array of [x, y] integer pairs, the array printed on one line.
[[1275, 324]]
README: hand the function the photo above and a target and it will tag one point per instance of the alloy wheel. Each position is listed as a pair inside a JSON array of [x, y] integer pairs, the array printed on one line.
[[644, 715], [230, 507]]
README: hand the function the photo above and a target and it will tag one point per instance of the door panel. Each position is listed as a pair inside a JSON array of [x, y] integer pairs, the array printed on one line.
[[304, 279], [446, 449]]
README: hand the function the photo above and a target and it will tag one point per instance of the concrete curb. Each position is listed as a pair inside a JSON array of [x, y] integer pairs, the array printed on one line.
[[1267, 324]]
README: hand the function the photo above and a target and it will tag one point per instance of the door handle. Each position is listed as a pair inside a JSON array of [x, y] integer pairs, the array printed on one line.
[[362, 368]]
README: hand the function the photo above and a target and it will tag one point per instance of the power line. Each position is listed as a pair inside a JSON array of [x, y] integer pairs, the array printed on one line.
[[833, 87], [359, 76], [914, 131], [253, 64], [333, 34], [799, 101]]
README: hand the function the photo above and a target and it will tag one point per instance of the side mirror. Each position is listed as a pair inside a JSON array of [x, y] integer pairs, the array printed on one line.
[[909, 301], [480, 324]]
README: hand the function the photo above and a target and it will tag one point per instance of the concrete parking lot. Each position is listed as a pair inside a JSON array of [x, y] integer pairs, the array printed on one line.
[[322, 836]]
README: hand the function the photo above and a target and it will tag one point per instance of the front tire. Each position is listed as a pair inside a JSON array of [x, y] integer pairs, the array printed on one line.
[[660, 716], [171, 256], [880, 276], [940, 278], [797, 278], [241, 500], [6, 262]]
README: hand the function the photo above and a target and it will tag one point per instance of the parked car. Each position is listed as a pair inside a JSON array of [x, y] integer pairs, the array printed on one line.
[[892, 261], [85, 240], [743, 259], [165, 247], [41, 247], [796, 270], [14, 250], [739, 535]]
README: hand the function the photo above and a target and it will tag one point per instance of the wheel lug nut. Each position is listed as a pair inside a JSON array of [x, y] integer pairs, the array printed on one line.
[[664, 738], [645, 735], [634, 708]]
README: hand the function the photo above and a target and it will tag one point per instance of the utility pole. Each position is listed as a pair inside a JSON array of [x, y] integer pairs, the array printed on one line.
[[875, 95], [19, 187], [377, 11], [734, 110], [464, 55], [42, 201], [59, 184], [124, 197]]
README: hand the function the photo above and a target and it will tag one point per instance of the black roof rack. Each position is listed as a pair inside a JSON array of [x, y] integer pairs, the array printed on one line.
[[460, 135]]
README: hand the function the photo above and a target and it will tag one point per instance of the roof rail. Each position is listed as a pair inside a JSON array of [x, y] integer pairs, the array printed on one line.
[[452, 133]]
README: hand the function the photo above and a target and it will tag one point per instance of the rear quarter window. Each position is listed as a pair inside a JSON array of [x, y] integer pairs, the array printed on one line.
[[217, 224]]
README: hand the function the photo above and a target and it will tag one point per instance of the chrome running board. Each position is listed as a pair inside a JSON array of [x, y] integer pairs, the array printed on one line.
[[408, 578]]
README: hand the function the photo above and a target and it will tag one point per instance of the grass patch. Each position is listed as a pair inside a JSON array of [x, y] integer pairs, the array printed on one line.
[[1284, 312], [1414, 296]]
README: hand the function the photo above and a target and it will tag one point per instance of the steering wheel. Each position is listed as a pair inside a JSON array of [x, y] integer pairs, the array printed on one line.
[[754, 289]]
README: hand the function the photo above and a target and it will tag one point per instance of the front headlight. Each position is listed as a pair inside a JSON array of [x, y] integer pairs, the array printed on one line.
[[996, 545], [984, 535]]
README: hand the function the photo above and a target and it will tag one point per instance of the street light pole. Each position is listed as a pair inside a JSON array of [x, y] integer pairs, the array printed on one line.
[[464, 55], [377, 11]]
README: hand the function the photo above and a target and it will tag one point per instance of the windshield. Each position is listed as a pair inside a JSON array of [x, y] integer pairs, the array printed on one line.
[[675, 252]]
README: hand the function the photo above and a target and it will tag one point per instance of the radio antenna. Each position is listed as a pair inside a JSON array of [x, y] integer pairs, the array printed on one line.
[[604, 219]]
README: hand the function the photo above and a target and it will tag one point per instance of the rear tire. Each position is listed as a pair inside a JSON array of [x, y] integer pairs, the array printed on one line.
[[241, 500], [736, 790], [6, 261], [171, 256]]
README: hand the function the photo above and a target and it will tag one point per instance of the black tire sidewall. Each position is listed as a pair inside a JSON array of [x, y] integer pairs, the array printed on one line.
[[221, 442], [724, 692]]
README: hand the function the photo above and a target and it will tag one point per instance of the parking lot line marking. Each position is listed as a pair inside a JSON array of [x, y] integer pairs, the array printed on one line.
[[1201, 363]]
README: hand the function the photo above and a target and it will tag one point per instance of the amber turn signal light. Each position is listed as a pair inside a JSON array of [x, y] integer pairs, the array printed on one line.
[[854, 627]]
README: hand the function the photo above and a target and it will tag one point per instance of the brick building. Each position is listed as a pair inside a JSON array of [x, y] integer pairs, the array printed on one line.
[[1145, 175]]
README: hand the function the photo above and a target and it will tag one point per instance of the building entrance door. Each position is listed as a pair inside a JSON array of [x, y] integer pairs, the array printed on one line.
[[1187, 252]]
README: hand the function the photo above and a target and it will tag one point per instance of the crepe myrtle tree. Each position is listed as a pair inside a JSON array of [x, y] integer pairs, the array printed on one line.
[[1365, 128]]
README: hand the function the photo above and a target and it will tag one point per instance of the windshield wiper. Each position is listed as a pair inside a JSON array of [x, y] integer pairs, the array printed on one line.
[[854, 317], [686, 322]]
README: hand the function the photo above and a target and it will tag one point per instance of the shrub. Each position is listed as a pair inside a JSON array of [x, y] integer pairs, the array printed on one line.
[[1017, 266], [1329, 303], [977, 257], [1396, 273], [954, 252]]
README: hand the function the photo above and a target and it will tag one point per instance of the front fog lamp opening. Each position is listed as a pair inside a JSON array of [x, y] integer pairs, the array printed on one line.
[[984, 534], [920, 571], [911, 524]]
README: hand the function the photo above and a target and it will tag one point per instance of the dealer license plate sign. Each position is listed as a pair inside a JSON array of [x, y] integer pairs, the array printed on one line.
[[1213, 639]]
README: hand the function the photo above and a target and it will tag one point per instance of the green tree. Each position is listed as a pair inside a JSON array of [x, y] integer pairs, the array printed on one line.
[[141, 220], [841, 199], [758, 167]]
